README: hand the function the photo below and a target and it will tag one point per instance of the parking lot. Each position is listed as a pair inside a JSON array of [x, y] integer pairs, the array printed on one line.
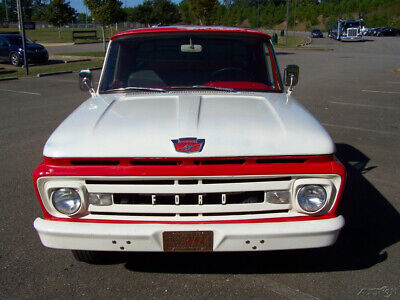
[[351, 88]]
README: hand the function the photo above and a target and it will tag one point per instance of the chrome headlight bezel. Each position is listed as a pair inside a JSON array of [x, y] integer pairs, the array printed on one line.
[[47, 186]]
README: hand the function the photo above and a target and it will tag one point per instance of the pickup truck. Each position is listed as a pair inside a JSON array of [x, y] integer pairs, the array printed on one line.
[[189, 143]]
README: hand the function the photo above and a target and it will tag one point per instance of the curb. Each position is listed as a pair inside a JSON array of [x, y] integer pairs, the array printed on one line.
[[76, 60], [308, 42], [56, 44], [8, 78], [88, 43], [53, 73], [95, 68]]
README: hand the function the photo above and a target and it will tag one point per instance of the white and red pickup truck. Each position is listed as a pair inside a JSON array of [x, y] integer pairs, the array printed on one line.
[[190, 143]]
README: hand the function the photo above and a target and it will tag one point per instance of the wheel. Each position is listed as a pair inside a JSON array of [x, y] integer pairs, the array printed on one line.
[[45, 61], [15, 60], [91, 257]]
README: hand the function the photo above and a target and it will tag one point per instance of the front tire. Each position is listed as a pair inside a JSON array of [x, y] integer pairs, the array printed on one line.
[[15, 59]]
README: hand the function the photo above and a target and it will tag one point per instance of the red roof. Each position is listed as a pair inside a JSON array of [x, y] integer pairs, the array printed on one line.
[[167, 29]]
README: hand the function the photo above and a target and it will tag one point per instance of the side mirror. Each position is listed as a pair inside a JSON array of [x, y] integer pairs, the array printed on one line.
[[291, 76], [85, 81]]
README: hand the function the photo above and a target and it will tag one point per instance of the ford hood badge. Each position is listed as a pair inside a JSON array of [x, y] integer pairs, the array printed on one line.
[[189, 144]]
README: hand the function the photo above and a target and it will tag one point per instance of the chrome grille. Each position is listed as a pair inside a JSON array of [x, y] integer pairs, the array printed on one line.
[[189, 196], [352, 32]]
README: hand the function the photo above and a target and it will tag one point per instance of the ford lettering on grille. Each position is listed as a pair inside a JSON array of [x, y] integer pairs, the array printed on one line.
[[189, 144]]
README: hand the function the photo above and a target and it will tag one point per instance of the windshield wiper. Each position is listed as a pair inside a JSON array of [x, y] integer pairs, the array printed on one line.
[[136, 88], [203, 87]]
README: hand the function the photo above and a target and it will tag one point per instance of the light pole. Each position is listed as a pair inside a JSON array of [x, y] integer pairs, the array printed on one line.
[[22, 29], [5, 9], [287, 21], [258, 12], [294, 17]]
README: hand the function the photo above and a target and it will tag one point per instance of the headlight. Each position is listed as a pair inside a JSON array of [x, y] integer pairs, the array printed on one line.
[[311, 198], [66, 200]]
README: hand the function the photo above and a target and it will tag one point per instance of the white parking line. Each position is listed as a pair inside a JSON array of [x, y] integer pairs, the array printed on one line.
[[365, 105], [382, 92], [281, 289], [362, 129], [20, 92]]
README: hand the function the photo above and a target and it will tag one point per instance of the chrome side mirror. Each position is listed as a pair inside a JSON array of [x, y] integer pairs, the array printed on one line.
[[291, 76], [85, 81]]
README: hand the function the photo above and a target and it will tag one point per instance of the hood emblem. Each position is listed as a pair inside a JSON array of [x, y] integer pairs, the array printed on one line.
[[189, 144]]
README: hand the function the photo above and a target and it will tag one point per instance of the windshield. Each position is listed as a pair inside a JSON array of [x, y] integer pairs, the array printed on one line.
[[17, 40], [194, 60]]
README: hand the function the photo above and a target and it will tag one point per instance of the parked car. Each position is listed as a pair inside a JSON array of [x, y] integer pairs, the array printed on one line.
[[387, 31], [11, 50], [316, 33], [189, 143]]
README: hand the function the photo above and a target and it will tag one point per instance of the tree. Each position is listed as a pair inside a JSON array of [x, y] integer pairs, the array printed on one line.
[[60, 13], [155, 12], [143, 13], [39, 10], [204, 10], [105, 12], [82, 18], [165, 12]]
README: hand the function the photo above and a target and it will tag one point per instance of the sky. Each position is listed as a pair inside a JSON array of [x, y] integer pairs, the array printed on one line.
[[80, 7]]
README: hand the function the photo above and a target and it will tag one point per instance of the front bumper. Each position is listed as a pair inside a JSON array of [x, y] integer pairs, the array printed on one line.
[[227, 237], [351, 38]]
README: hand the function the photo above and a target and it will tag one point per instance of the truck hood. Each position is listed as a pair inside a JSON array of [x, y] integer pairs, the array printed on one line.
[[131, 125]]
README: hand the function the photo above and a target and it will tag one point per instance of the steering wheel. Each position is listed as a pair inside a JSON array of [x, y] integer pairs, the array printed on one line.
[[231, 74]]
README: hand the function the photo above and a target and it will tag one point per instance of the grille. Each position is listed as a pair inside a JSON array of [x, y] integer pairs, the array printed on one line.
[[352, 32], [184, 197]]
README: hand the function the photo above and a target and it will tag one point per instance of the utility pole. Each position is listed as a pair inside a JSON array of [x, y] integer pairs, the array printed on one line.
[[287, 21], [294, 17], [5, 9], [258, 12], [22, 30]]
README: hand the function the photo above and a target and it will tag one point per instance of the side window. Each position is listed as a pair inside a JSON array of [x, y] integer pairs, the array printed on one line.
[[268, 62], [2, 42]]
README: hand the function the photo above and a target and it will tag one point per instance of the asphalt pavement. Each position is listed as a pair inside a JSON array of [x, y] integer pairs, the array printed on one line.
[[352, 90]]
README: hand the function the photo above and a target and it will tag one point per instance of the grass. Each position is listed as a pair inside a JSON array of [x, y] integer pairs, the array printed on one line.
[[292, 41], [34, 70], [87, 54], [50, 35]]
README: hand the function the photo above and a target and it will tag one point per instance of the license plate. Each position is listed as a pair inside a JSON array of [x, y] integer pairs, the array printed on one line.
[[195, 241]]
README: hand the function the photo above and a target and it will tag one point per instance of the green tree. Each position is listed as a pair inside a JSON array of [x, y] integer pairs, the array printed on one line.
[[105, 12], [165, 12], [162, 12], [60, 13], [142, 13], [204, 10], [39, 10]]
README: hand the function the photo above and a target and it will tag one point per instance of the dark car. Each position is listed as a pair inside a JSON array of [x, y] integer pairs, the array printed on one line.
[[387, 31], [11, 50], [316, 33]]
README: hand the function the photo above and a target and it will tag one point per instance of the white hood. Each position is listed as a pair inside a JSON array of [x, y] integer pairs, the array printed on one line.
[[128, 125]]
